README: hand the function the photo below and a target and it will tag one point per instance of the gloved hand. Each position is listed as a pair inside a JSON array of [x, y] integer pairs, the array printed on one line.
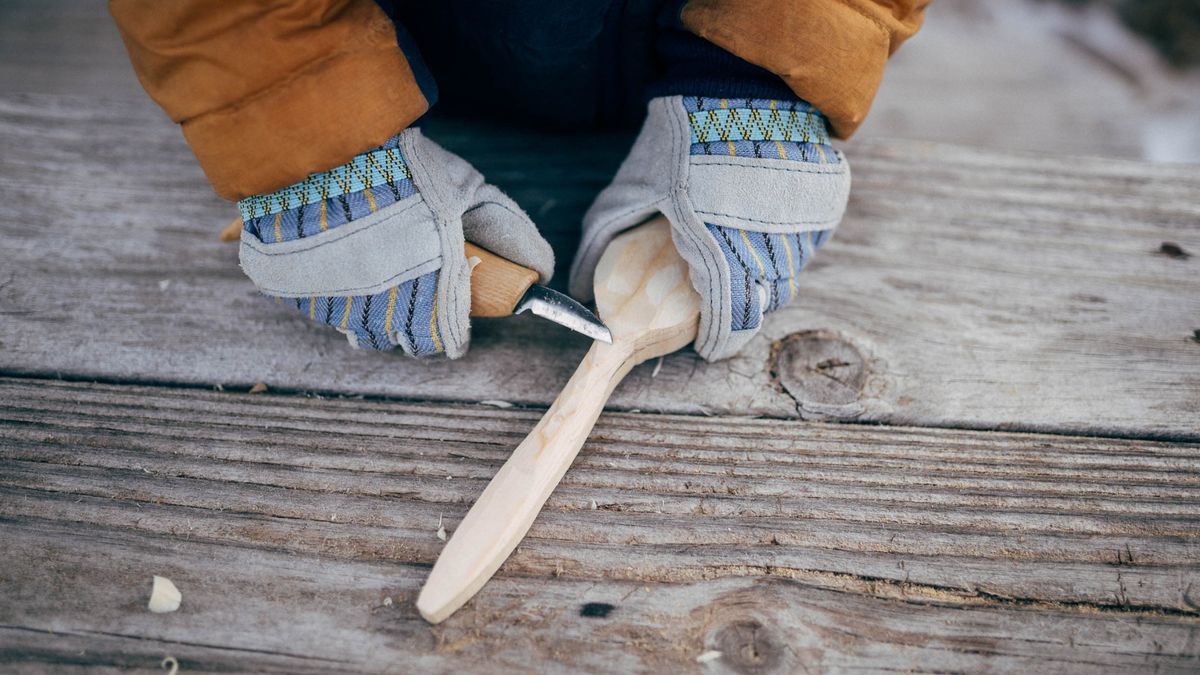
[[751, 188], [374, 247]]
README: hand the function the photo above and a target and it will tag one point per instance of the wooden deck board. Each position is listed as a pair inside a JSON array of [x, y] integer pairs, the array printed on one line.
[[286, 521], [969, 295], [965, 288], [262, 611]]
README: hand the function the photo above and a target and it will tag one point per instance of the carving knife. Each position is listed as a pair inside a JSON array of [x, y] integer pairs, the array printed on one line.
[[501, 287]]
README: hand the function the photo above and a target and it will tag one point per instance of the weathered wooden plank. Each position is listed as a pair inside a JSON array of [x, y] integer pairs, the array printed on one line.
[[81, 604], [966, 288], [1107, 522], [286, 521]]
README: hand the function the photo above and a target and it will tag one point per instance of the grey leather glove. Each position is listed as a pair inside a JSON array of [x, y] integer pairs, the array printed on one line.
[[751, 188], [374, 247]]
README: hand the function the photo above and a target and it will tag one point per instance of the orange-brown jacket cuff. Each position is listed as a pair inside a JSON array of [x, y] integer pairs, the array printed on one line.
[[831, 53]]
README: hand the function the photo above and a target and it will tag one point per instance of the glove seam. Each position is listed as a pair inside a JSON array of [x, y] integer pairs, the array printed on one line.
[[435, 200], [386, 283], [502, 205], [767, 222], [756, 167], [311, 243], [682, 203], [440, 205]]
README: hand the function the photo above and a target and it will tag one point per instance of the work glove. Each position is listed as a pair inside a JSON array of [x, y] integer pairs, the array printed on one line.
[[374, 247], [751, 187]]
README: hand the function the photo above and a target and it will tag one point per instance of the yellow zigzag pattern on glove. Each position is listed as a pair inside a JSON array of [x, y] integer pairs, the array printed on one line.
[[754, 124]]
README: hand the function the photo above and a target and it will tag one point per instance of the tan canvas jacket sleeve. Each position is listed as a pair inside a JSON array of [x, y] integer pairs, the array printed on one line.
[[270, 92], [830, 52]]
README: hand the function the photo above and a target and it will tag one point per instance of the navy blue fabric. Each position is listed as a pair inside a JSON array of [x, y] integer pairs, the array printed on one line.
[[689, 65], [416, 62], [574, 64], [570, 64]]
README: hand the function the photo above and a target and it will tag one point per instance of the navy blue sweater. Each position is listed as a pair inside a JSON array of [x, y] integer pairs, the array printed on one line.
[[566, 64]]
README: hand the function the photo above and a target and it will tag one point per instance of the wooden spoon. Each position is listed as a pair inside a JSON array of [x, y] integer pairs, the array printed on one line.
[[643, 294]]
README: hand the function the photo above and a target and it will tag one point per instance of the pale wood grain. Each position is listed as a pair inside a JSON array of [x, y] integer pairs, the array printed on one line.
[[643, 294], [286, 521], [1018, 515], [249, 610], [980, 289]]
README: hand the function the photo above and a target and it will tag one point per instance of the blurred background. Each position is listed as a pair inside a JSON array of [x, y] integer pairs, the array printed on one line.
[[1111, 78], [1114, 78]]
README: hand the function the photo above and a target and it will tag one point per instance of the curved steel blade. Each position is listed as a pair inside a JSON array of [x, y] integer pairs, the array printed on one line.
[[562, 309]]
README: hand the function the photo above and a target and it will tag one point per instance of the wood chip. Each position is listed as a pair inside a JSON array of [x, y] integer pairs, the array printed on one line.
[[258, 388], [497, 404], [164, 596], [708, 656]]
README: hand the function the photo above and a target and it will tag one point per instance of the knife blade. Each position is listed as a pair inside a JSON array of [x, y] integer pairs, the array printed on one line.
[[501, 287]]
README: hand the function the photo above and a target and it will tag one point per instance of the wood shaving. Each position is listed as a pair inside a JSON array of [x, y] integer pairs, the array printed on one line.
[[258, 388], [657, 367], [497, 404], [441, 533], [708, 656], [387, 601], [170, 664], [164, 597]]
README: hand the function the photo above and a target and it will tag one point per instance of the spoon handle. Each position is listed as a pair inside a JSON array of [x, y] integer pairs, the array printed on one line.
[[514, 497]]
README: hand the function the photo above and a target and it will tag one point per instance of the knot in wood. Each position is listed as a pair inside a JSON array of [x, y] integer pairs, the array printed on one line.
[[824, 373], [748, 646]]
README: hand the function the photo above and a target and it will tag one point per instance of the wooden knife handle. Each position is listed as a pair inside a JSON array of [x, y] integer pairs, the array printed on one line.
[[497, 284]]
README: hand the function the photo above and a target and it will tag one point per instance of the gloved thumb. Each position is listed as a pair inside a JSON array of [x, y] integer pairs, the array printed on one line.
[[495, 222]]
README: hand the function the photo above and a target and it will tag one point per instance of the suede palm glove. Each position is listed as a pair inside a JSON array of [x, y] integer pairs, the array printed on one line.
[[374, 248], [751, 187]]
